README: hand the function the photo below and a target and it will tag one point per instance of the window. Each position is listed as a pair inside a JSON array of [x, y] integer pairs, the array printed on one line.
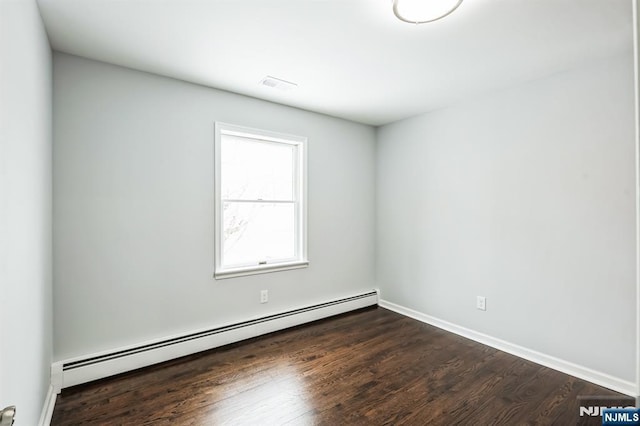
[[260, 190]]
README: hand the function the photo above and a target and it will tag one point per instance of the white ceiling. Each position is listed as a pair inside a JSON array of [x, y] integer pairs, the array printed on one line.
[[350, 58]]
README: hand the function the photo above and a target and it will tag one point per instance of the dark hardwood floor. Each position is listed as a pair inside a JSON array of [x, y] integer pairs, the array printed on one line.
[[369, 367]]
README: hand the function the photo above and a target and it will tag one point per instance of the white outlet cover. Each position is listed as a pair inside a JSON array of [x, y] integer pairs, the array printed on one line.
[[481, 303]]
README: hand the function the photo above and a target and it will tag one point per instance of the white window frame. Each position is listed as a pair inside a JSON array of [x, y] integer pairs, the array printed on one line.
[[300, 201]]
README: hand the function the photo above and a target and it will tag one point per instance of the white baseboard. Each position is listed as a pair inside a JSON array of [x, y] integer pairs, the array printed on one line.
[[596, 377], [47, 408], [91, 367], [56, 377]]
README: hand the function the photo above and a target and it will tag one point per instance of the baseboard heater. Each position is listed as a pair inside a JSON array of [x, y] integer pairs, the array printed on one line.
[[97, 366]]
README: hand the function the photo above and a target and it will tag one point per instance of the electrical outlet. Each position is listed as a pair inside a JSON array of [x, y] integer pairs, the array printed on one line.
[[481, 303], [264, 296]]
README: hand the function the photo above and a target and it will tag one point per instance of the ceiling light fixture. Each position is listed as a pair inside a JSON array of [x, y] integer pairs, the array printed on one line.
[[423, 11]]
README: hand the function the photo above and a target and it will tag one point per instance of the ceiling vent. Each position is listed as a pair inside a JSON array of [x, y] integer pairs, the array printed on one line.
[[277, 83]]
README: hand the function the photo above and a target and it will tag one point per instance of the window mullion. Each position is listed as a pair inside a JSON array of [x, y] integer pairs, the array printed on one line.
[[231, 200]]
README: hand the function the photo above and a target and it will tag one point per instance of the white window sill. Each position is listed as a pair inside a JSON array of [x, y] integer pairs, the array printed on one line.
[[262, 269]]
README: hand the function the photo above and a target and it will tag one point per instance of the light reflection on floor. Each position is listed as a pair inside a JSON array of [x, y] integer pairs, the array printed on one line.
[[276, 395]]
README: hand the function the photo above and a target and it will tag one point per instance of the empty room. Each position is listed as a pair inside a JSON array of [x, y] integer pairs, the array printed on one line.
[[332, 212]]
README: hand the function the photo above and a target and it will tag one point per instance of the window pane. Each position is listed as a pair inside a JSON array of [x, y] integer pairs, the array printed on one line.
[[255, 232], [256, 170]]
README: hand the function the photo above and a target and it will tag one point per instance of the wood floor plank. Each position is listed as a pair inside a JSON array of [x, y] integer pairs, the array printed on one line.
[[371, 367]]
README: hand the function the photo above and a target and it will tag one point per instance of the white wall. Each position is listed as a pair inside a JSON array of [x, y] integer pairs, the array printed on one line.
[[25, 210], [527, 197], [636, 47], [133, 210]]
